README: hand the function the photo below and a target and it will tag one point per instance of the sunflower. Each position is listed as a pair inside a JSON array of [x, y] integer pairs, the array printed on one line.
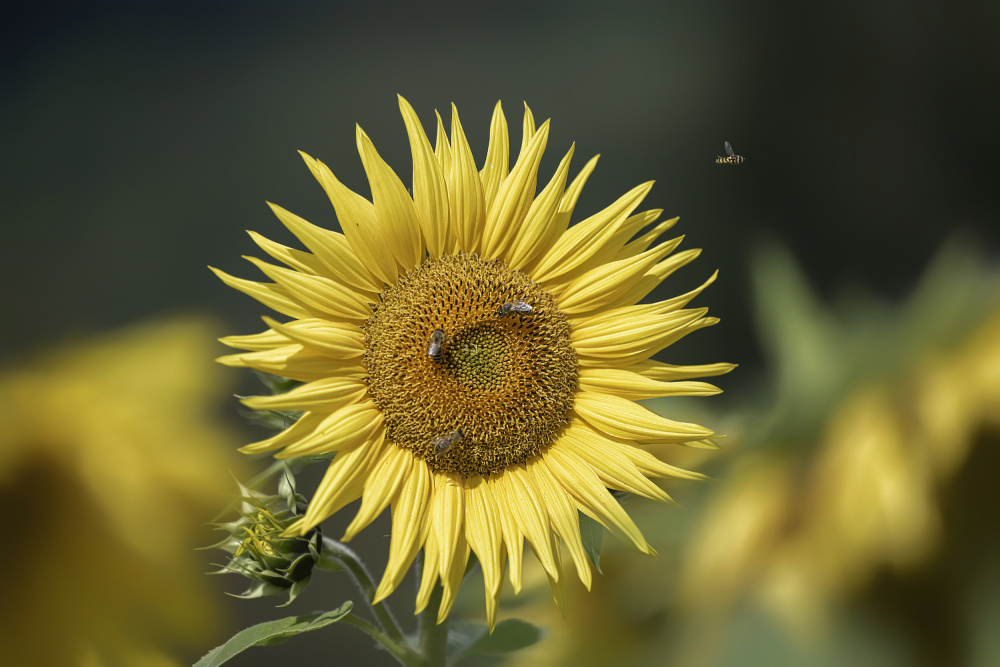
[[472, 359]]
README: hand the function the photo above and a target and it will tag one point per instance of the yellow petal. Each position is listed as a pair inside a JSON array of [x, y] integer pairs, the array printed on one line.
[[321, 295], [326, 395], [505, 217], [622, 418], [655, 276], [495, 167], [294, 362], [593, 499], [530, 515], [605, 284], [612, 250], [409, 528], [651, 466], [453, 580], [333, 339], [465, 190], [542, 217], [512, 536], [266, 340], [442, 148], [358, 221], [273, 296], [621, 346], [332, 249], [615, 470], [302, 428], [635, 387], [527, 129], [482, 529], [563, 516], [428, 572], [381, 488], [568, 202], [343, 482], [493, 598], [295, 259], [639, 245], [558, 586], [657, 370], [447, 519], [586, 238], [394, 209], [430, 192], [349, 427]]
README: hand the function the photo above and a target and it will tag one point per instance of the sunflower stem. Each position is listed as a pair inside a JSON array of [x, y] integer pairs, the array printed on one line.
[[404, 653], [350, 560], [433, 636]]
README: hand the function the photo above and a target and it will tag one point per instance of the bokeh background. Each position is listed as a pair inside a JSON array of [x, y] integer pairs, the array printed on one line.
[[139, 140]]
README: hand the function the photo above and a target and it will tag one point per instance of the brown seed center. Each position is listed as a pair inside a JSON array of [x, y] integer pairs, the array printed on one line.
[[504, 379]]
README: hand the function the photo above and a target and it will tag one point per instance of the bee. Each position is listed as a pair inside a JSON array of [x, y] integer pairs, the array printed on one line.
[[443, 443], [438, 339], [516, 307], [731, 158]]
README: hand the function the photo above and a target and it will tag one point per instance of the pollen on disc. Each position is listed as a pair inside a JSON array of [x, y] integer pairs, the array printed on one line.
[[506, 380]]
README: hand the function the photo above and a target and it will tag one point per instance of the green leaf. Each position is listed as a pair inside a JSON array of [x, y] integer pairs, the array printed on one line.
[[592, 534], [461, 636], [271, 633], [508, 636]]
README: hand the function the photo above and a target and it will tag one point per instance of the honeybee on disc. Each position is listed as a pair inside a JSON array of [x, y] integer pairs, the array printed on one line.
[[731, 158], [443, 443], [516, 307], [437, 340]]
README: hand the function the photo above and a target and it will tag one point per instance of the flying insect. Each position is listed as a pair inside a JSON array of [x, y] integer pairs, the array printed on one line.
[[731, 158]]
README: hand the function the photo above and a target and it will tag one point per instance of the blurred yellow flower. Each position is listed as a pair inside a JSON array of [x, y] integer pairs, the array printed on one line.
[[806, 524], [110, 461], [838, 479]]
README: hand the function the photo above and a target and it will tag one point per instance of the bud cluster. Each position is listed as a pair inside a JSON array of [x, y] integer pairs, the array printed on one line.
[[260, 551]]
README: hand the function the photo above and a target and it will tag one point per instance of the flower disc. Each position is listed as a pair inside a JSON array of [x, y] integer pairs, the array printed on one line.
[[506, 381]]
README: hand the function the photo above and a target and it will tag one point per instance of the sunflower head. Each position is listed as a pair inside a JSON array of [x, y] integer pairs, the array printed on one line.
[[472, 359]]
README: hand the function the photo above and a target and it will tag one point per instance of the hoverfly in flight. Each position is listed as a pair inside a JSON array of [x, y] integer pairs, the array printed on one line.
[[731, 158]]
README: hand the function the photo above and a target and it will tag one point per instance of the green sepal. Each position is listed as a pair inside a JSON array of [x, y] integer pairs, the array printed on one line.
[[271, 633], [592, 535], [276, 420], [260, 551], [275, 383]]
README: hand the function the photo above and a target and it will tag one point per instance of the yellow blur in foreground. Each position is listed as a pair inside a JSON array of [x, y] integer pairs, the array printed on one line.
[[803, 539], [111, 462], [829, 510]]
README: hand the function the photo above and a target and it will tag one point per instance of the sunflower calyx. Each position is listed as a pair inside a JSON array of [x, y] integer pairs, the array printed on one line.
[[260, 551]]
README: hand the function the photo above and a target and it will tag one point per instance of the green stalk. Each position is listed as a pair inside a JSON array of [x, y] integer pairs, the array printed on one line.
[[433, 636], [345, 556], [403, 653]]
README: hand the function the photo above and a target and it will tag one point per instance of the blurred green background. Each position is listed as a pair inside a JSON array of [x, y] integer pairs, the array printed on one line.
[[138, 141]]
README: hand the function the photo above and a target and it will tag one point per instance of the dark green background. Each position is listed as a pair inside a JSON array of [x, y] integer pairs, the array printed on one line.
[[138, 142]]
